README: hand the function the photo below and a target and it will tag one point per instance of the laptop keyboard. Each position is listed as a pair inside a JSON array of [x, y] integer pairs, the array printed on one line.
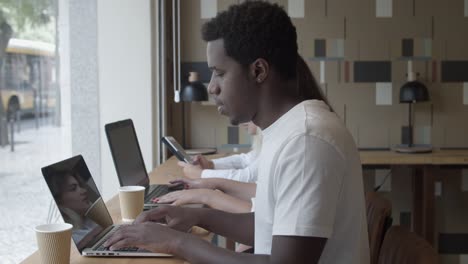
[[101, 247], [159, 190]]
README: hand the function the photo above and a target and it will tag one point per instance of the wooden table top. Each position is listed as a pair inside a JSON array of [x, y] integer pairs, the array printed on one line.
[[437, 157]]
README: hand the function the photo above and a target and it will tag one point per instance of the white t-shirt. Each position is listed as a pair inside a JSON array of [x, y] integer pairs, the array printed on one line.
[[240, 167], [310, 184]]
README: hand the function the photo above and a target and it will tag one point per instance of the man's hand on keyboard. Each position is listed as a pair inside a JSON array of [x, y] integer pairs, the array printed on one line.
[[179, 218], [149, 235]]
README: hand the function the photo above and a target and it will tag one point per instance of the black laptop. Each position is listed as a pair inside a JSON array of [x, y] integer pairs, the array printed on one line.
[[81, 205], [128, 160]]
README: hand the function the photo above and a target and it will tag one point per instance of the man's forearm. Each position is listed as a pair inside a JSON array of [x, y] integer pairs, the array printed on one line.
[[238, 227], [197, 251], [285, 250]]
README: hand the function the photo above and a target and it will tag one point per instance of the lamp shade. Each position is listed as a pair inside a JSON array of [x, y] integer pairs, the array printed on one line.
[[194, 90], [413, 91]]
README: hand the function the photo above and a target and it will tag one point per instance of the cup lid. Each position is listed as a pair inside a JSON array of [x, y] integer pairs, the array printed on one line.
[[131, 188], [53, 228]]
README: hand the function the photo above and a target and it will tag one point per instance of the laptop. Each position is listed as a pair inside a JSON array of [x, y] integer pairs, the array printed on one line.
[[82, 206], [128, 161]]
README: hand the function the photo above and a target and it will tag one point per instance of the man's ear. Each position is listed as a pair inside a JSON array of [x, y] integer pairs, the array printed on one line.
[[259, 70]]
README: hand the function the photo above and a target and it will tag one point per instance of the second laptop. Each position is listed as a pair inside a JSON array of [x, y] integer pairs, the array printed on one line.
[[129, 162]]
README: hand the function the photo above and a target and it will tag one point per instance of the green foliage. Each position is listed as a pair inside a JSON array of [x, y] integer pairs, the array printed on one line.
[[30, 19]]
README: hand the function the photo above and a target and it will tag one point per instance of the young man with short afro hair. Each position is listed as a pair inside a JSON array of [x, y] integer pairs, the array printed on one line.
[[309, 205]]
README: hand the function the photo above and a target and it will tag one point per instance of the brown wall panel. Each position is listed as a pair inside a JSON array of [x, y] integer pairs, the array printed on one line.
[[351, 49], [448, 99], [456, 138], [402, 8], [410, 27], [438, 136], [439, 8], [441, 26], [422, 114], [331, 47], [318, 27], [314, 8], [351, 8], [451, 28], [368, 131], [425, 8], [449, 113], [363, 28], [420, 46], [458, 48], [367, 135], [208, 128], [332, 71], [399, 71], [193, 48], [374, 49], [439, 50], [395, 48]]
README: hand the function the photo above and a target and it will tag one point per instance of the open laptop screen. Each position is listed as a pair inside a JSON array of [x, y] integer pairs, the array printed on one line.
[[77, 199], [126, 153]]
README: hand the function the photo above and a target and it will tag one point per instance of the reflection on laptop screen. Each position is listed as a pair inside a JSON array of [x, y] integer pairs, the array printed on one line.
[[127, 155], [78, 199]]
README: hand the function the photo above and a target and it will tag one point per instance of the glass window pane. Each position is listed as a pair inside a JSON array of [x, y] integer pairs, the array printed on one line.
[[31, 131]]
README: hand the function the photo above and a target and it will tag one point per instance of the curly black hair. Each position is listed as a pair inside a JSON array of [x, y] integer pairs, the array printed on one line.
[[256, 29]]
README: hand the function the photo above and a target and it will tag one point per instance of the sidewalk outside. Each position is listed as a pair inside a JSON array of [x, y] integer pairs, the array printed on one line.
[[24, 196]]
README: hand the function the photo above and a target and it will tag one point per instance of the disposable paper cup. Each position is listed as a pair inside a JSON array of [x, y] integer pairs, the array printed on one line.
[[53, 241], [132, 199], [99, 214]]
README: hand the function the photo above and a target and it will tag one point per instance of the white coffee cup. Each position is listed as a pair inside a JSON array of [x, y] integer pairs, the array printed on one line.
[[132, 201], [53, 241]]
